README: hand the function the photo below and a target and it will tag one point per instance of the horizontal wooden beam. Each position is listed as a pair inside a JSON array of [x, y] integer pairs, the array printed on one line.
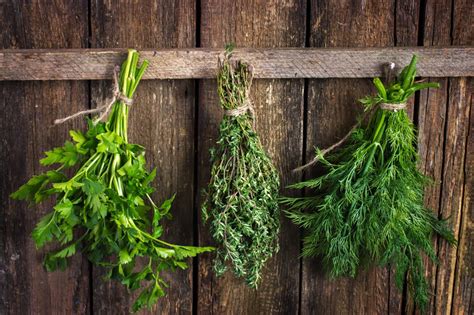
[[271, 63]]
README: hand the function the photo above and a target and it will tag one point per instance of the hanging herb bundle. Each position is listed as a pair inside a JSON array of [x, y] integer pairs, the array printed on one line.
[[368, 205], [242, 196], [103, 208]]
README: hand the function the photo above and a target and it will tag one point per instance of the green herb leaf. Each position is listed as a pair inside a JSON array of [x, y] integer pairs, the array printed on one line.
[[45, 230], [77, 136], [367, 206], [103, 207], [241, 200], [124, 257], [29, 190]]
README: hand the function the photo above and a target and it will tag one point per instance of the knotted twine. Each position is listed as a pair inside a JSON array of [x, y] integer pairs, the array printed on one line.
[[244, 109], [247, 107], [393, 107], [105, 109]]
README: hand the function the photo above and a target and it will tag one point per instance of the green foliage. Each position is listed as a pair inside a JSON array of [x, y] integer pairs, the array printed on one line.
[[368, 205], [242, 196], [103, 208]]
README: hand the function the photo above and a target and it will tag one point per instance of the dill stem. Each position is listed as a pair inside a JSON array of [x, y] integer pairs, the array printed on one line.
[[376, 138]]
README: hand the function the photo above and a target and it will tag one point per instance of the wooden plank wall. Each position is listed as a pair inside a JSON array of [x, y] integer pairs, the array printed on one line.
[[178, 121], [332, 110], [28, 109]]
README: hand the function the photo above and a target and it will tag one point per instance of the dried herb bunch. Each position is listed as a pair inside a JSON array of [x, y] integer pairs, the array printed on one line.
[[103, 209], [368, 205], [242, 196]]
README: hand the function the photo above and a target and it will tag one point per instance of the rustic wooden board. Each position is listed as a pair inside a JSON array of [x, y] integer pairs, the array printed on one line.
[[432, 130], [448, 279], [28, 110], [407, 28], [279, 110], [162, 119], [452, 275], [452, 190], [463, 286], [269, 63], [332, 110], [462, 91], [42, 42]]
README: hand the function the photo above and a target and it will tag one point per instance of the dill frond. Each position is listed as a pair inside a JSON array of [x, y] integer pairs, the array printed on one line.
[[368, 204]]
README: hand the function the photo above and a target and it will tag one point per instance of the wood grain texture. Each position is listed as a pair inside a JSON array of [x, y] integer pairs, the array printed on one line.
[[448, 280], [162, 119], [452, 190], [463, 89], [407, 28], [463, 286], [332, 111], [269, 63], [279, 111], [28, 110], [40, 41], [432, 129]]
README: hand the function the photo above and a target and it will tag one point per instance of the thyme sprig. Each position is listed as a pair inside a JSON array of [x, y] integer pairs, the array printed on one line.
[[368, 205], [103, 209], [242, 196]]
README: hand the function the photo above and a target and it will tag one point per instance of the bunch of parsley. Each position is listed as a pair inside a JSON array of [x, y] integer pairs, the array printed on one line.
[[242, 195], [103, 209], [368, 204]]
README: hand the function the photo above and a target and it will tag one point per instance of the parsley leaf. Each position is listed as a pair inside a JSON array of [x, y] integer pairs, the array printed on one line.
[[102, 209]]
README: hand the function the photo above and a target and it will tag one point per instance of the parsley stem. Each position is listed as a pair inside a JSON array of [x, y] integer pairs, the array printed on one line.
[[109, 200], [149, 236]]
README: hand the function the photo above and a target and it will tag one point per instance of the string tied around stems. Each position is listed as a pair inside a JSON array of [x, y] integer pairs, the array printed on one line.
[[388, 70], [105, 109], [393, 107], [247, 106]]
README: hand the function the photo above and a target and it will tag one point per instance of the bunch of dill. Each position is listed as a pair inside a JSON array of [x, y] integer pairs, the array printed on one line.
[[242, 195], [368, 205]]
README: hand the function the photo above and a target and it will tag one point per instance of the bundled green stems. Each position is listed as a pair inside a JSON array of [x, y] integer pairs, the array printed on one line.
[[242, 196], [103, 209], [368, 204]]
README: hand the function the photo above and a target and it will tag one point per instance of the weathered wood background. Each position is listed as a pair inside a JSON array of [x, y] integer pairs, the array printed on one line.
[[177, 120]]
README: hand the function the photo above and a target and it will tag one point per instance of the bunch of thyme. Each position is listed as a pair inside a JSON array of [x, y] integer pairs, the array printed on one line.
[[242, 196], [368, 205], [103, 209]]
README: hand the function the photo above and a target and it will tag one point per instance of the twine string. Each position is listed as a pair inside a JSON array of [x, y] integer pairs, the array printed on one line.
[[105, 109], [241, 110], [247, 106], [393, 107]]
